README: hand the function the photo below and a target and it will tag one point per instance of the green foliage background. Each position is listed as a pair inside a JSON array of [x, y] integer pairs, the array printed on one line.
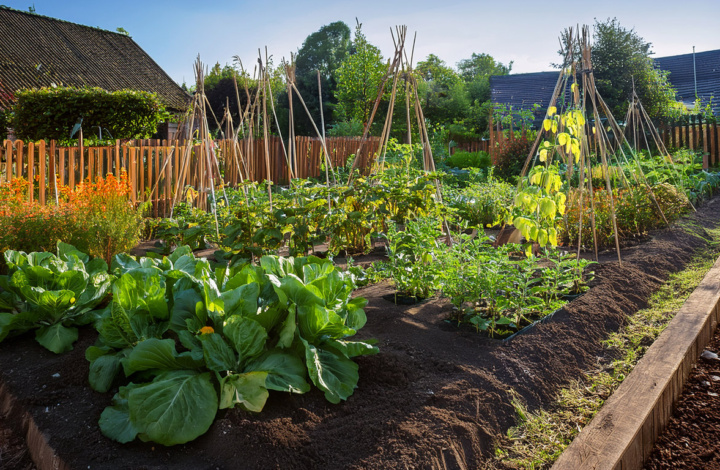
[[51, 113]]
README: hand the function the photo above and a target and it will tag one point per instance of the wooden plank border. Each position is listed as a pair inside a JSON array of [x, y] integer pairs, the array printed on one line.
[[622, 434]]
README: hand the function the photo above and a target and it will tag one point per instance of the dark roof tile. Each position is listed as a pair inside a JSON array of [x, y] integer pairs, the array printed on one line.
[[38, 51]]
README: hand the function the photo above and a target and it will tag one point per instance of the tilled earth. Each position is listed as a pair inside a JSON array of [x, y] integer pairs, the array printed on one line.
[[692, 438], [435, 397]]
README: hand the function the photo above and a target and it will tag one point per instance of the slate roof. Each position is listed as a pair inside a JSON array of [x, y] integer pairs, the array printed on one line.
[[523, 90], [682, 78], [37, 51]]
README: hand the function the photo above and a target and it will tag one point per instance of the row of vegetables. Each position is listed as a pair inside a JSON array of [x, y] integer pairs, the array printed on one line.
[[183, 339]]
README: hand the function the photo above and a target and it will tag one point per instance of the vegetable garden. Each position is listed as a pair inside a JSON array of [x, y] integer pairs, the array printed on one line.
[[374, 317]]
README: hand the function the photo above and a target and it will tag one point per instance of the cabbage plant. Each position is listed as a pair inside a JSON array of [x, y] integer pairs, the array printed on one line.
[[185, 340], [51, 294]]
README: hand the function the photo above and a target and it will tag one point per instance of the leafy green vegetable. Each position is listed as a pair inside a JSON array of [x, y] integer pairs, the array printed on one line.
[[191, 340], [51, 294]]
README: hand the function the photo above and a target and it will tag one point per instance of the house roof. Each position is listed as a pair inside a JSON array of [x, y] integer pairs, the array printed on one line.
[[522, 90], [39, 51], [683, 73]]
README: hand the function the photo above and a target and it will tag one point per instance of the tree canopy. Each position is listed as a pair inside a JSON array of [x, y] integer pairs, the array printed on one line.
[[621, 59], [359, 79], [324, 51]]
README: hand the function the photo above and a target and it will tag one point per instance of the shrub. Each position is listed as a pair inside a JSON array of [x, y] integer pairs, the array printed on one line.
[[351, 128], [482, 204], [4, 123], [51, 113], [28, 226], [634, 208], [511, 158], [106, 222], [464, 159], [97, 218]]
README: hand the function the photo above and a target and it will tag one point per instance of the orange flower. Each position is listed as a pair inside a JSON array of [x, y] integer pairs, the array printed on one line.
[[206, 330]]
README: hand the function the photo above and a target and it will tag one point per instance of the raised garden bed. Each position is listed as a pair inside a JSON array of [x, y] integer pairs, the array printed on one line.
[[433, 397], [692, 437]]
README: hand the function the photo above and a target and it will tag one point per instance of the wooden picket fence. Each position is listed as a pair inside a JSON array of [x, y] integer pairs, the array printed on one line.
[[248, 157], [697, 134], [158, 170]]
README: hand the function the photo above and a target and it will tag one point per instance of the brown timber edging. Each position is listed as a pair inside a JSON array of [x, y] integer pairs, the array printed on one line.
[[622, 434], [21, 421]]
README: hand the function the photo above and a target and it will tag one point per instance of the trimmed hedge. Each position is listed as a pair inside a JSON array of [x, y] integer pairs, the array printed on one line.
[[4, 123], [51, 113]]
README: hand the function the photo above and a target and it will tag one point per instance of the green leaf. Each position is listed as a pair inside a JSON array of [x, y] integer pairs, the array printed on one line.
[[57, 338], [176, 407], [317, 322], [185, 306], [247, 336], [335, 375], [123, 263], [115, 420], [356, 317], [247, 390], [56, 304], [242, 300], [103, 370], [6, 324], [218, 355], [352, 349], [157, 354], [286, 373], [287, 332]]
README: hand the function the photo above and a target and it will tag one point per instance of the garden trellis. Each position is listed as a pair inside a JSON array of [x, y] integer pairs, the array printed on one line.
[[582, 134]]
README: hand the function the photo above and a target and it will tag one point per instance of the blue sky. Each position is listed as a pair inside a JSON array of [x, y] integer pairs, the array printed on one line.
[[525, 32]]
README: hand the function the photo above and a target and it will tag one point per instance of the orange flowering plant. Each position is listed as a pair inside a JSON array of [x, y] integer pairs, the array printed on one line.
[[96, 217]]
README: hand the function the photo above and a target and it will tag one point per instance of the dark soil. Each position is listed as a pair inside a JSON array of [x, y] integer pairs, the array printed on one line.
[[13, 451], [435, 397], [692, 437]]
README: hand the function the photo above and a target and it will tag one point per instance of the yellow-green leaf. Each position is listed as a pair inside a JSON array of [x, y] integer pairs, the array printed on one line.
[[542, 237]]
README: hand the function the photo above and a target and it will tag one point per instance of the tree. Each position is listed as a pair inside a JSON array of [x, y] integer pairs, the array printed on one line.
[[476, 72], [324, 51], [620, 57], [442, 92], [359, 79], [481, 65]]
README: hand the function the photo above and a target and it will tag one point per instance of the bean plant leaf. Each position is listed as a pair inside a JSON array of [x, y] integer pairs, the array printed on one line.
[[176, 407]]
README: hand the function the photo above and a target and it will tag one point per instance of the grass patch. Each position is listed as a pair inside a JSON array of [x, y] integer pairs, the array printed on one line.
[[542, 435]]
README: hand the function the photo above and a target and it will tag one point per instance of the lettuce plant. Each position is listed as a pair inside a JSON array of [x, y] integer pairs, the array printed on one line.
[[51, 294], [191, 340]]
